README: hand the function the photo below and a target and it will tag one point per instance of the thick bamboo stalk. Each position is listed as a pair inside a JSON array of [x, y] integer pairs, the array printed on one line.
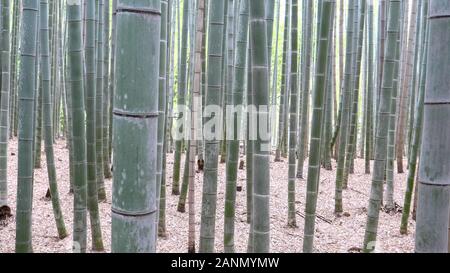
[[213, 97], [75, 52], [233, 144], [26, 91], [382, 128], [90, 85], [134, 207], [48, 125], [99, 104], [320, 84], [293, 121], [4, 103], [261, 169], [434, 183], [344, 118]]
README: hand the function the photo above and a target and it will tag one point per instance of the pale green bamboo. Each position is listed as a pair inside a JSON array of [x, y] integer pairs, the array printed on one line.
[[433, 204], [370, 89], [305, 87], [325, 31], [162, 94], [389, 194], [99, 104], [106, 90], [213, 95], [195, 120], [90, 85], [345, 106], [182, 90], [418, 120], [293, 114], [26, 91], [48, 124], [380, 152], [4, 102], [262, 144], [233, 144], [283, 97], [75, 64], [134, 207], [359, 38]]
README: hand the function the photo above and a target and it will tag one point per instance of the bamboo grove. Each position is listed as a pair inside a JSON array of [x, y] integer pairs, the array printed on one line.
[[321, 84]]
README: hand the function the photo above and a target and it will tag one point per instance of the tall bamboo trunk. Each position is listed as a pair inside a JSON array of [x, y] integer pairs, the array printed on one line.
[[434, 183], [26, 93], [99, 104], [346, 98], [162, 95], [134, 207], [92, 199], [406, 88], [213, 97], [182, 90], [261, 169], [293, 115], [382, 128], [48, 124], [305, 87], [418, 118], [235, 128], [75, 51], [4, 103], [283, 96], [320, 84], [370, 90]]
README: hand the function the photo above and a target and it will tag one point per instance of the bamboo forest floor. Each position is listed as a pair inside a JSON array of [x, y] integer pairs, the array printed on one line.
[[333, 234]]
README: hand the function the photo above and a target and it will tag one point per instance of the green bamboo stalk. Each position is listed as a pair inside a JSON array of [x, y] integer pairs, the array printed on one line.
[[328, 111], [326, 26], [90, 84], [26, 91], [134, 208], [293, 115], [370, 89], [195, 120], [233, 144], [406, 87], [389, 194], [171, 10], [185, 180], [38, 126], [281, 118], [418, 120], [359, 38], [214, 64], [162, 94], [48, 125], [112, 76], [13, 69], [75, 54], [182, 90], [262, 144], [70, 127], [305, 87], [249, 148], [346, 100], [382, 128], [414, 86], [106, 90], [4, 102], [99, 104], [434, 189]]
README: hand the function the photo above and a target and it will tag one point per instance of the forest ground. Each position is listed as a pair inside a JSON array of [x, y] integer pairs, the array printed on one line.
[[333, 234]]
